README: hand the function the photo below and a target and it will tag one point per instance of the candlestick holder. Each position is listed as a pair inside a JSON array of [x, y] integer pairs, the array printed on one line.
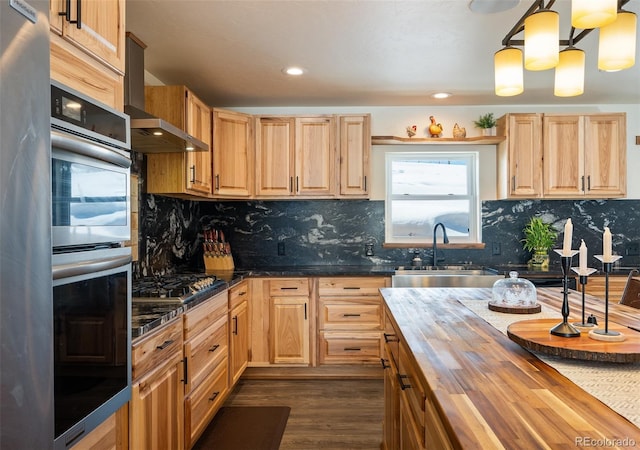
[[565, 329], [606, 334], [583, 275]]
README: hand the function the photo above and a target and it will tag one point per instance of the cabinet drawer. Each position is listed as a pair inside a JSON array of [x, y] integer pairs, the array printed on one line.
[[205, 351], [349, 348], [201, 405], [289, 287], [238, 294], [350, 314], [203, 315], [154, 349], [351, 285]]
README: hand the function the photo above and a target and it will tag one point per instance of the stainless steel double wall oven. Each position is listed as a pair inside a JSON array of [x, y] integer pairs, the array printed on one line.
[[90, 198]]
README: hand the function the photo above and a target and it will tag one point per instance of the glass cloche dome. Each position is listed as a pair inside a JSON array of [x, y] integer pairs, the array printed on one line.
[[514, 292]]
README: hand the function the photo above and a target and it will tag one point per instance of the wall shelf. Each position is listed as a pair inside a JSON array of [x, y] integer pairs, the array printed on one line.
[[476, 140]]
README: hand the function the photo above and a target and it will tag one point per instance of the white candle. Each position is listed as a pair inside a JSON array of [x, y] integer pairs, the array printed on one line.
[[606, 245], [583, 258], [568, 231]]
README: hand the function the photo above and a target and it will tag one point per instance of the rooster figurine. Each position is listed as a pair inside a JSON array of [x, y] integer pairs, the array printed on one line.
[[435, 129]]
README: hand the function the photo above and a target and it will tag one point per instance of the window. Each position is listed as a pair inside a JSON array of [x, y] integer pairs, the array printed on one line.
[[426, 188]]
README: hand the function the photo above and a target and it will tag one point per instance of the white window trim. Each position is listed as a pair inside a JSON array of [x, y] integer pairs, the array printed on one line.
[[475, 227]]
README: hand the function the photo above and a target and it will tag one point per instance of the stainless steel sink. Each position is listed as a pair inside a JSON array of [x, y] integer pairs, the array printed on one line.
[[445, 276]]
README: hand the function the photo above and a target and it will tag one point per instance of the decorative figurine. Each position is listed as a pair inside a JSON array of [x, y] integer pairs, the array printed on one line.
[[435, 129], [458, 132], [411, 130]]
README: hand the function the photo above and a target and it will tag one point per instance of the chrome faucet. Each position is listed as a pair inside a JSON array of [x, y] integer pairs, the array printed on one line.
[[445, 240]]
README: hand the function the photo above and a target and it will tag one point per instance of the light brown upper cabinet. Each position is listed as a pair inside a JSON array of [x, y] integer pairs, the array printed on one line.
[[584, 155], [95, 27], [354, 137], [89, 58], [520, 156], [233, 155], [296, 157], [181, 174]]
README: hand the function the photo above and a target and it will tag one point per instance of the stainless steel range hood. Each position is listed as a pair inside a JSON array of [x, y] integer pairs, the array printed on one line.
[[150, 134]]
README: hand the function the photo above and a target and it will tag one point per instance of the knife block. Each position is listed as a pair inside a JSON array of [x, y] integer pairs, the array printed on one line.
[[218, 262]]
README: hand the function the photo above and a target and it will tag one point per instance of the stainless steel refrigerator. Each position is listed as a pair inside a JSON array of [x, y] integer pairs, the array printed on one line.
[[26, 329]]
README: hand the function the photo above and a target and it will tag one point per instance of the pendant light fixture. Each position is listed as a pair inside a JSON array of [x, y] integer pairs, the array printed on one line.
[[569, 77], [541, 40], [509, 78], [586, 14], [617, 43]]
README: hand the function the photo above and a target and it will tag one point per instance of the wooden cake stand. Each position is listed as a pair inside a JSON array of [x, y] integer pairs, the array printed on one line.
[[515, 309], [534, 335]]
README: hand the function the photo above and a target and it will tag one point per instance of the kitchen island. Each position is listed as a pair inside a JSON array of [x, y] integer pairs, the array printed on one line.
[[464, 384]]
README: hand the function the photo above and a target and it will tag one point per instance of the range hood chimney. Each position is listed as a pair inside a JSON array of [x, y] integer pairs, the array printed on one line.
[[150, 134]]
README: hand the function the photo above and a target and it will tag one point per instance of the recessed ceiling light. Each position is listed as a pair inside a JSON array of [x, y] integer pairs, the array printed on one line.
[[492, 6], [295, 71], [440, 95]]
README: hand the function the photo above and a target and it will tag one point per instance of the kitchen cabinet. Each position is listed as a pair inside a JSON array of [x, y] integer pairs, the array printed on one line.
[[296, 157], [180, 174], [156, 408], [354, 138], [519, 156], [290, 320], [96, 28], [391, 422], [584, 155], [89, 59], [238, 330], [350, 320], [113, 433], [206, 357], [233, 154]]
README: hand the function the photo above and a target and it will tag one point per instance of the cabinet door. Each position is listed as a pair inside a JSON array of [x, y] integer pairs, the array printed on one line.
[[238, 341], [355, 149], [274, 157], [199, 178], [290, 327], [96, 27], [233, 163], [605, 155], [520, 155], [315, 158], [391, 426], [157, 411], [564, 156]]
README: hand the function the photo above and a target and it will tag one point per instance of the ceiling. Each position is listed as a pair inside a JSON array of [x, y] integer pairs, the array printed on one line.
[[354, 52]]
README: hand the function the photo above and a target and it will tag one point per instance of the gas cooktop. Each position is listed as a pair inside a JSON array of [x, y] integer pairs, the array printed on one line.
[[172, 288]]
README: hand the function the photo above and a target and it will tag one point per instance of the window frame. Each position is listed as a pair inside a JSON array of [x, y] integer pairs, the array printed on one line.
[[473, 183]]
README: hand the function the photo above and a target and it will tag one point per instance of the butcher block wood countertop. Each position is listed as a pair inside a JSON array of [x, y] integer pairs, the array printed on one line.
[[491, 392]]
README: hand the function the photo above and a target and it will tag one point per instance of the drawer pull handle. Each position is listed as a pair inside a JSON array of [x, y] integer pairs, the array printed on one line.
[[384, 363], [390, 337], [214, 348], [213, 397], [351, 288], [350, 315], [289, 288], [242, 293], [165, 344], [401, 379], [352, 349]]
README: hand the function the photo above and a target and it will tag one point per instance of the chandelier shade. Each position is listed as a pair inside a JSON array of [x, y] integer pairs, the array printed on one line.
[[509, 77], [569, 76], [617, 43], [541, 40], [587, 14]]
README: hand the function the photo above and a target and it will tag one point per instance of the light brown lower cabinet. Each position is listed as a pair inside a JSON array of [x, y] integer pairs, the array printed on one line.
[[156, 407], [239, 331]]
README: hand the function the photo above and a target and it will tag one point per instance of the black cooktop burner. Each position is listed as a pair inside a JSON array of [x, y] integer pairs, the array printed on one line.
[[171, 287]]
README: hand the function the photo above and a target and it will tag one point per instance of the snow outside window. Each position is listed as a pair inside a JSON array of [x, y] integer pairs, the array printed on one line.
[[423, 189]]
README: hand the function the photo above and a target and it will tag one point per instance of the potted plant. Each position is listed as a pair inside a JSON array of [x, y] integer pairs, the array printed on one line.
[[539, 238], [486, 123]]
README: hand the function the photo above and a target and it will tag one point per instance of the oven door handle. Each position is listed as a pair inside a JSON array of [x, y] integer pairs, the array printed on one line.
[[87, 148], [86, 267]]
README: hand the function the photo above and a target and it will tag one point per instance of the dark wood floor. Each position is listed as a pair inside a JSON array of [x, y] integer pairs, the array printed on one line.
[[325, 413]]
